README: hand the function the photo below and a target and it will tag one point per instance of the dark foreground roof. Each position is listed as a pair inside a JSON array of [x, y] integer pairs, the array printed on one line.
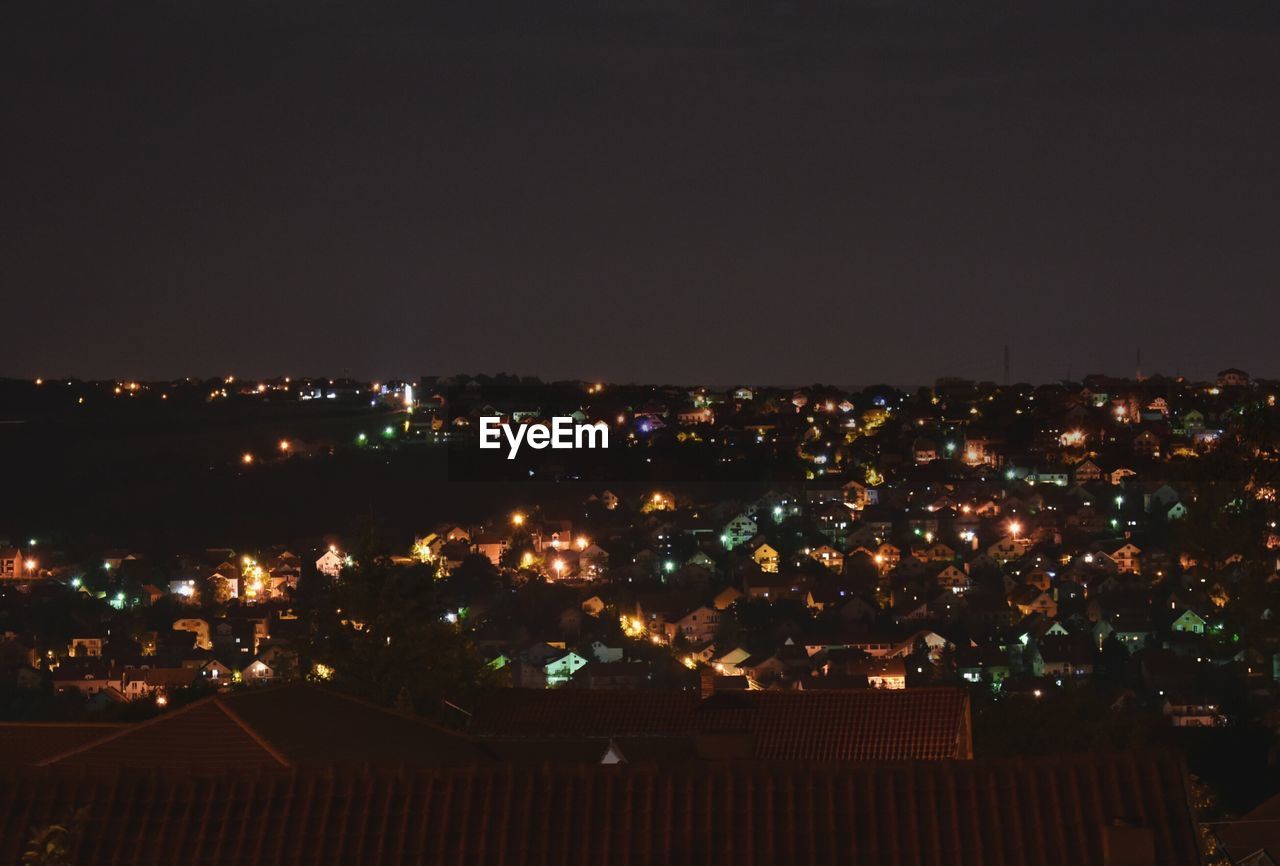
[[855, 725], [261, 728], [1255, 831], [32, 742], [1043, 811]]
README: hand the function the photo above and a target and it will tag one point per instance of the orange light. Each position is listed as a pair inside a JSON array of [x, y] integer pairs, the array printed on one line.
[[246, 458], [285, 445]]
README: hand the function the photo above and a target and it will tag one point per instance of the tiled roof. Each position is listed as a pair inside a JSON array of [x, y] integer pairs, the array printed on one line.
[[25, 743], [854, 725], [200, 735], [306, 722], [1056, 811], [266, 728]]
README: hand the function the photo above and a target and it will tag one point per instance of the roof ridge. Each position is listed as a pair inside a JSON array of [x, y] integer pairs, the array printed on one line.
[[124, 730], [254, 735], [389, 711], [31, 724]]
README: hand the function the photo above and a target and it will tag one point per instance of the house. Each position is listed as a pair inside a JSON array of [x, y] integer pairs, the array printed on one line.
[[887, 557], [1189, 622], [924, 450], [880, 673], [1146, 444], [1192, 712], [491, 545], [198, 627], [699, 625], [12, 565], [726, 598], [1131, 628], [829, 557], [738, 531], [766, 557], [770, 586], [1087, 472], [1062, 657], [953, 578], [593, 561], [330, 563], [258, 671], [1006, 549], [1128, 558], [561, 669], [729, 663], [90, 677], [85, 647], [1030, 599], [975, 663], [149, 682]]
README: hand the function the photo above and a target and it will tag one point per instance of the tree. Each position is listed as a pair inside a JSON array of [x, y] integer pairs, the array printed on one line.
[[382, 632], [54, 844]]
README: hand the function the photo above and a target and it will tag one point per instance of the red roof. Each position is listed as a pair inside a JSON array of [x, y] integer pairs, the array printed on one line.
[[1055, 811], [24, 743], [853, 725], [265, 728], [198, 735]]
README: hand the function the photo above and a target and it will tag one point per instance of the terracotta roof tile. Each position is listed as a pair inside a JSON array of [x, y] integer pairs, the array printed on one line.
[[26, 743], [853, 725], [261, 728], [1055, 811], [196, 736]]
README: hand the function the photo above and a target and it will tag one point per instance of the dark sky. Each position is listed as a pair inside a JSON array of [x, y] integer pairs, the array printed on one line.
[[672, 191]]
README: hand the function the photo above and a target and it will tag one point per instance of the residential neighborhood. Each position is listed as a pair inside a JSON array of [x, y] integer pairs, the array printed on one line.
[[1108, 544]]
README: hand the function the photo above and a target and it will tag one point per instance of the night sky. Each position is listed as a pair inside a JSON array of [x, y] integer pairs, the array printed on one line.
[[690, 191]]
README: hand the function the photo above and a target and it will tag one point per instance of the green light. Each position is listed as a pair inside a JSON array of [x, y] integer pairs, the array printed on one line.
[[388, 432], [361, 439]]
